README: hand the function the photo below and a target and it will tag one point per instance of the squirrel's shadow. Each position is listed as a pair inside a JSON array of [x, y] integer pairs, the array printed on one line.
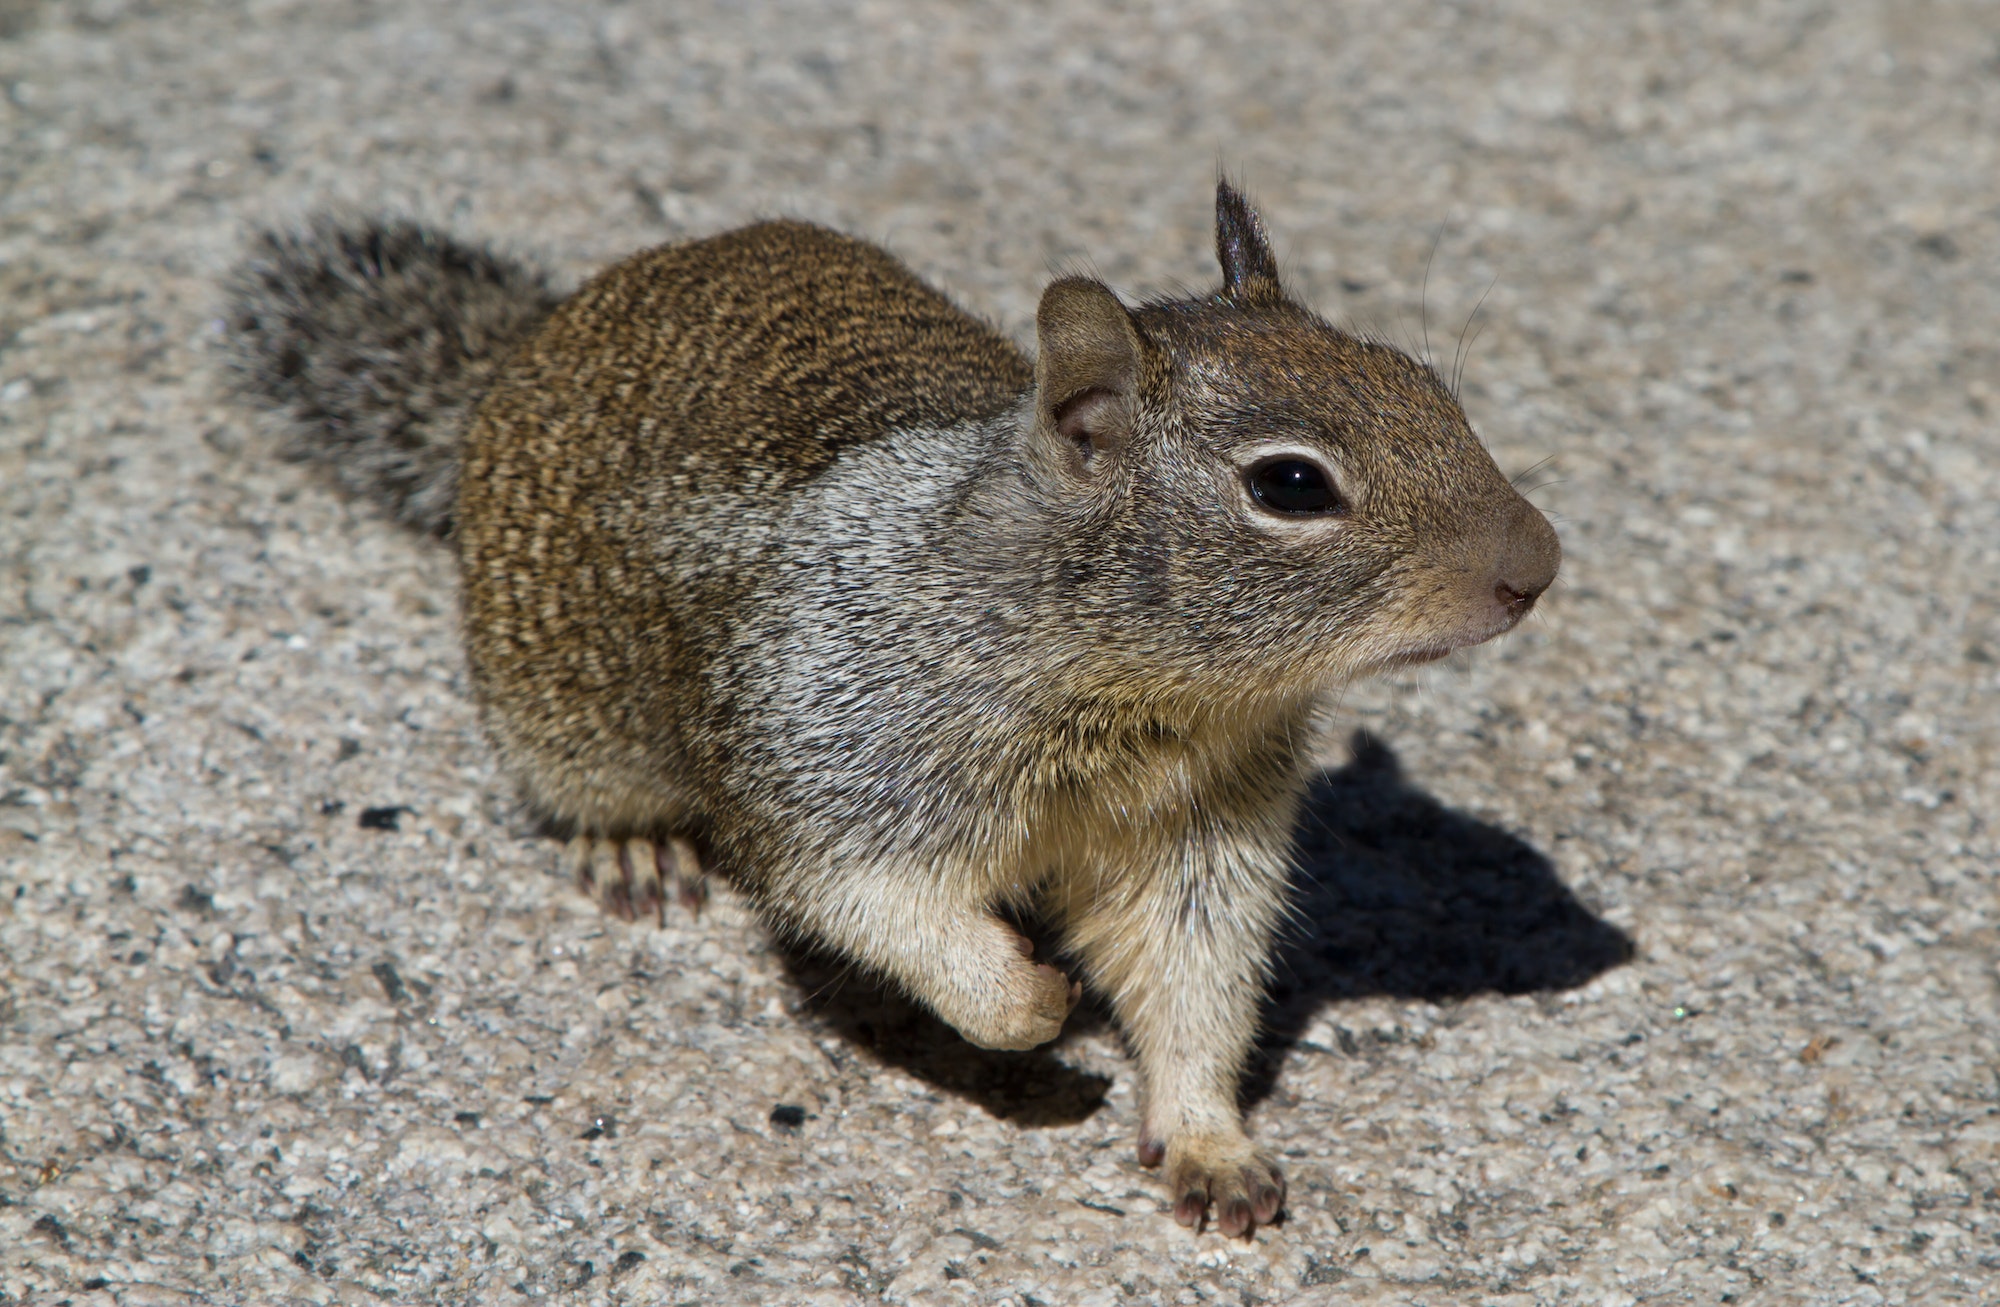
[[1400, 896], [1397, 895]]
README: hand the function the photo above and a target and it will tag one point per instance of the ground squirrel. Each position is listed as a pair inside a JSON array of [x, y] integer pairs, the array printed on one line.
[[776, 561]]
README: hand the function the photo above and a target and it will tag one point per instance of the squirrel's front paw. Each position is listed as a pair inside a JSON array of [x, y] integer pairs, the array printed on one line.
[[1220, 1174], [1025, 1010], [631, 878]]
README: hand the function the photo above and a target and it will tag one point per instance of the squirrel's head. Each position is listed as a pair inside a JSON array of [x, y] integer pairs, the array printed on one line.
[[1248, 494]]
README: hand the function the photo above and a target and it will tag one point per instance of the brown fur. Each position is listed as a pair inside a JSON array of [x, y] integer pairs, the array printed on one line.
[[770, 550], [785, 341]]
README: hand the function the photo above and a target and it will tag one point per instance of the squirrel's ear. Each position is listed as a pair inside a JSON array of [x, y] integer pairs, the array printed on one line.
[[1243, 247], [1087, 370]]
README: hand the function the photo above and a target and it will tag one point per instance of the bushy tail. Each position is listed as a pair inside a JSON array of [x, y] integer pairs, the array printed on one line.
[[367, 343]]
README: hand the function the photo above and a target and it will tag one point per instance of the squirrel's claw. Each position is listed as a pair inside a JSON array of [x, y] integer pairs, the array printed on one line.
[[1228, 1182], [680, 866]]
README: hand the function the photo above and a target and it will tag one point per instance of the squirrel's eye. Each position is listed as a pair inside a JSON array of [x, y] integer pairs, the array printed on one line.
[[1292, 485]]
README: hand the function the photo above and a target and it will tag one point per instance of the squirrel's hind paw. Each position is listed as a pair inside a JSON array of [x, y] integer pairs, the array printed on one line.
[[631, 878]]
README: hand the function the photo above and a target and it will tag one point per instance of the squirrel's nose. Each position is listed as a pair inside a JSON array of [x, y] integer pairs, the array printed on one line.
[[1528, 562], [1516, 602]]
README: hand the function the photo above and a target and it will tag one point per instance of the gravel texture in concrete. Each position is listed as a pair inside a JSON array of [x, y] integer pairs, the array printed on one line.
[[1646, 956]]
